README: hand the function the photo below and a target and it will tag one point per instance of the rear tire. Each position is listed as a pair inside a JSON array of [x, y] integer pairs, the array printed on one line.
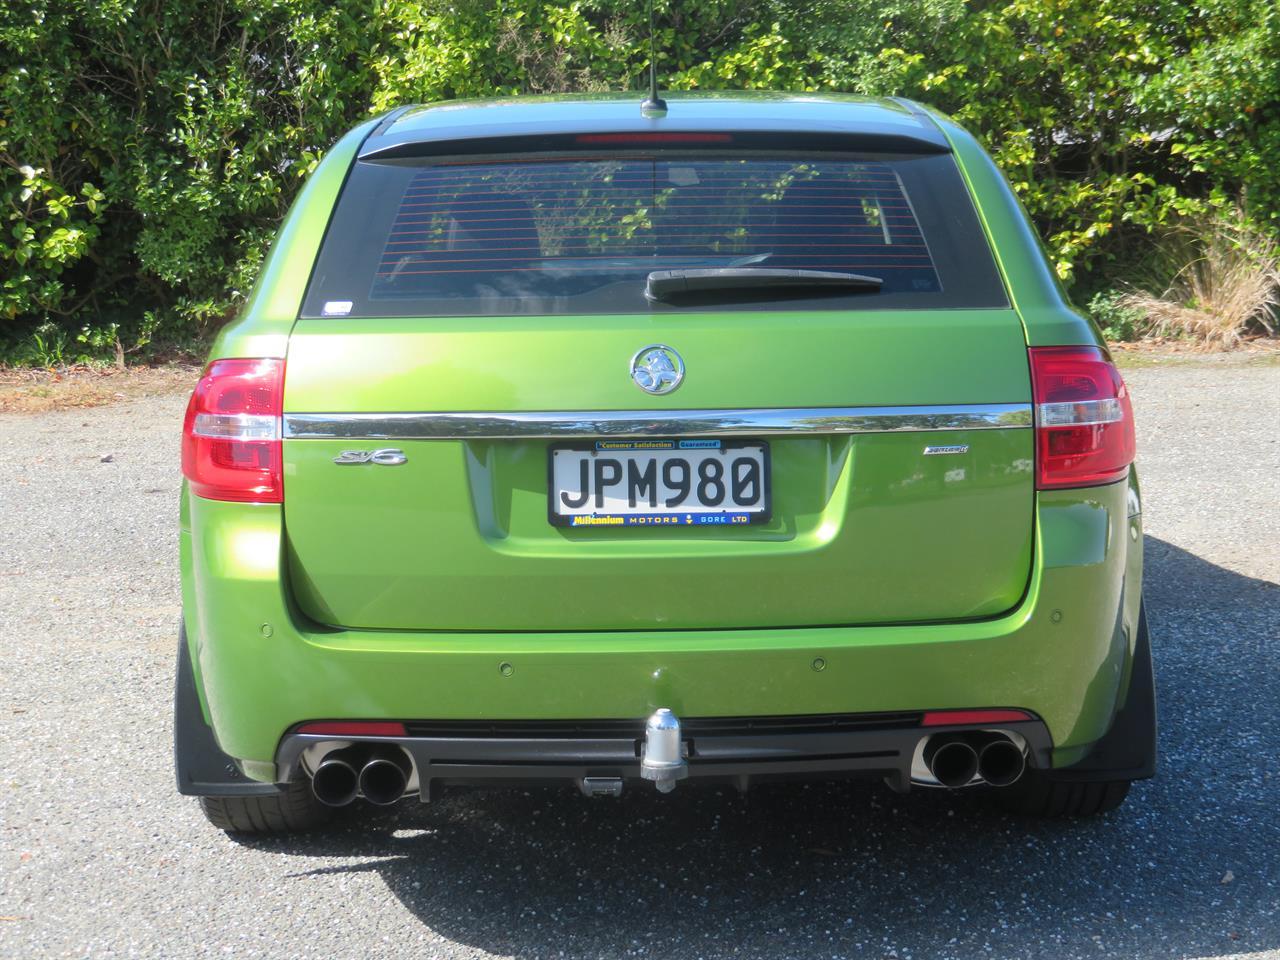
[[293, 809], [1037, 796]]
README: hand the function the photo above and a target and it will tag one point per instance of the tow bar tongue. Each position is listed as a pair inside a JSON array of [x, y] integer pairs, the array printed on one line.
[[662, 759]]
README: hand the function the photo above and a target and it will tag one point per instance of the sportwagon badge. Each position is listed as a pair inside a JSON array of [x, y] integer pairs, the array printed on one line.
[[657, 369]]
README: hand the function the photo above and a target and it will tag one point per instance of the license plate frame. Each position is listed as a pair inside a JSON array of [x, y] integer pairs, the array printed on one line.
[[702, 518]]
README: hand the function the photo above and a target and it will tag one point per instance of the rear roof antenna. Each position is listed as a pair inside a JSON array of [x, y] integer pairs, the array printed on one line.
[[654, 106]]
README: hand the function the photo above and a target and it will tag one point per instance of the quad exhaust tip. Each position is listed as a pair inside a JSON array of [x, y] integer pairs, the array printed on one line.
[[380, 776], [384, 777], [959, 759], [336, 780], [662, 757], [951, 759], [1001, 762]]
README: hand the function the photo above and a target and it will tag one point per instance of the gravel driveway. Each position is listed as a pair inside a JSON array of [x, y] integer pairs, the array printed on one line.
[[100, 858]]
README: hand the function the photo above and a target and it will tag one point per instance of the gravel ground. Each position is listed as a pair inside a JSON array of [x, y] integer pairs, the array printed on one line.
[[100, 858]]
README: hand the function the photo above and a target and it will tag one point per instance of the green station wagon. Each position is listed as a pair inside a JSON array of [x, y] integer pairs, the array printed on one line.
[[741, 438]]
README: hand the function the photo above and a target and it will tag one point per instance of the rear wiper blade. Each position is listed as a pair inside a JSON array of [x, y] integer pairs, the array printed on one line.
[[673, 284]]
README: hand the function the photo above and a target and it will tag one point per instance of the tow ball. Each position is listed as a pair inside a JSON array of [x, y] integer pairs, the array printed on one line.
[[662, 759]]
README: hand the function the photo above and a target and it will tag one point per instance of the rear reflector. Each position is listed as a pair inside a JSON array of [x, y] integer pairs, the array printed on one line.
[[1084, 421], [968, 718], [231, 447], [354, 728]]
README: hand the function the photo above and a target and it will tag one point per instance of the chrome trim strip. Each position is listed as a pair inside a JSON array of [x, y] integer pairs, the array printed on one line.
[[654, 423]]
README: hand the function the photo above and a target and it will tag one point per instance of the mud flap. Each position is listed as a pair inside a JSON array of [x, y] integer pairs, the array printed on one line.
[[1128, 750], [202, 769]]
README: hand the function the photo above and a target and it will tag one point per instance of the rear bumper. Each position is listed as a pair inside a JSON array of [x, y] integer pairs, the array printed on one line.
[[742, 750], [1062, 654]]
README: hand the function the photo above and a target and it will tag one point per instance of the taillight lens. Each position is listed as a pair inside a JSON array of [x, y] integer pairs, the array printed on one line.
[[1084, 421], [231, 447]]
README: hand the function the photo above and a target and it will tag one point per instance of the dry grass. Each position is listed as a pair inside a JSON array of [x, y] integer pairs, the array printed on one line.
[[1226, 285], [35, 391]]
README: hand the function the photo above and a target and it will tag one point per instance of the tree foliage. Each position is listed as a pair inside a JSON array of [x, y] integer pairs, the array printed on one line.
[[148, 148]]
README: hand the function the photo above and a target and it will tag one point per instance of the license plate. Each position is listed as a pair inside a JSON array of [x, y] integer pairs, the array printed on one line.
[[652, 483]]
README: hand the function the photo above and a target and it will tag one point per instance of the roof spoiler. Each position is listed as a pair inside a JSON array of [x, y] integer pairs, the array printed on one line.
[[427, 144]]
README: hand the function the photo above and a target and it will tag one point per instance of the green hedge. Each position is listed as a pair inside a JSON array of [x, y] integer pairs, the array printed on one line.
[[148, 149]]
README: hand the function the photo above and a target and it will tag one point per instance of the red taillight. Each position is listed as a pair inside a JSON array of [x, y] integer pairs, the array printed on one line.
[[354, 728], [231, 448], [1084, 421], [968, 718]]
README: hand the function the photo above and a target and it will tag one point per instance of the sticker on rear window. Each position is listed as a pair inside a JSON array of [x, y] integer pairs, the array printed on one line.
[[337, 308]]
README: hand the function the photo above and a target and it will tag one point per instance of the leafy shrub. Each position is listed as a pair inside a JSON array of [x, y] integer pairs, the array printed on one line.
[[1090, 109], [1115, 318], [148, 148]]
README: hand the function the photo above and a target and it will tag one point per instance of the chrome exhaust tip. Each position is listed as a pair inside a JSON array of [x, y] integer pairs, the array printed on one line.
[[951, 760], [335, 781], [662, 758], [1001, 761], [385, 776]]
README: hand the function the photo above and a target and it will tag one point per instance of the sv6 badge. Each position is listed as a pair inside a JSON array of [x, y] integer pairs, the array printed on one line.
[[386, 457]]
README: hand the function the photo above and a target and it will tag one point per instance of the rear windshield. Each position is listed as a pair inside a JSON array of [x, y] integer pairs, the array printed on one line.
[[581, 235]]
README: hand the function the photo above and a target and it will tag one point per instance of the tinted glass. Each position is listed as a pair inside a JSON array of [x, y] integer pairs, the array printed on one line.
[[581, 235]]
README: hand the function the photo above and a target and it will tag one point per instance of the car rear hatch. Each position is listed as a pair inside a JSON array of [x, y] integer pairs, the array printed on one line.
[[470, 317]]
